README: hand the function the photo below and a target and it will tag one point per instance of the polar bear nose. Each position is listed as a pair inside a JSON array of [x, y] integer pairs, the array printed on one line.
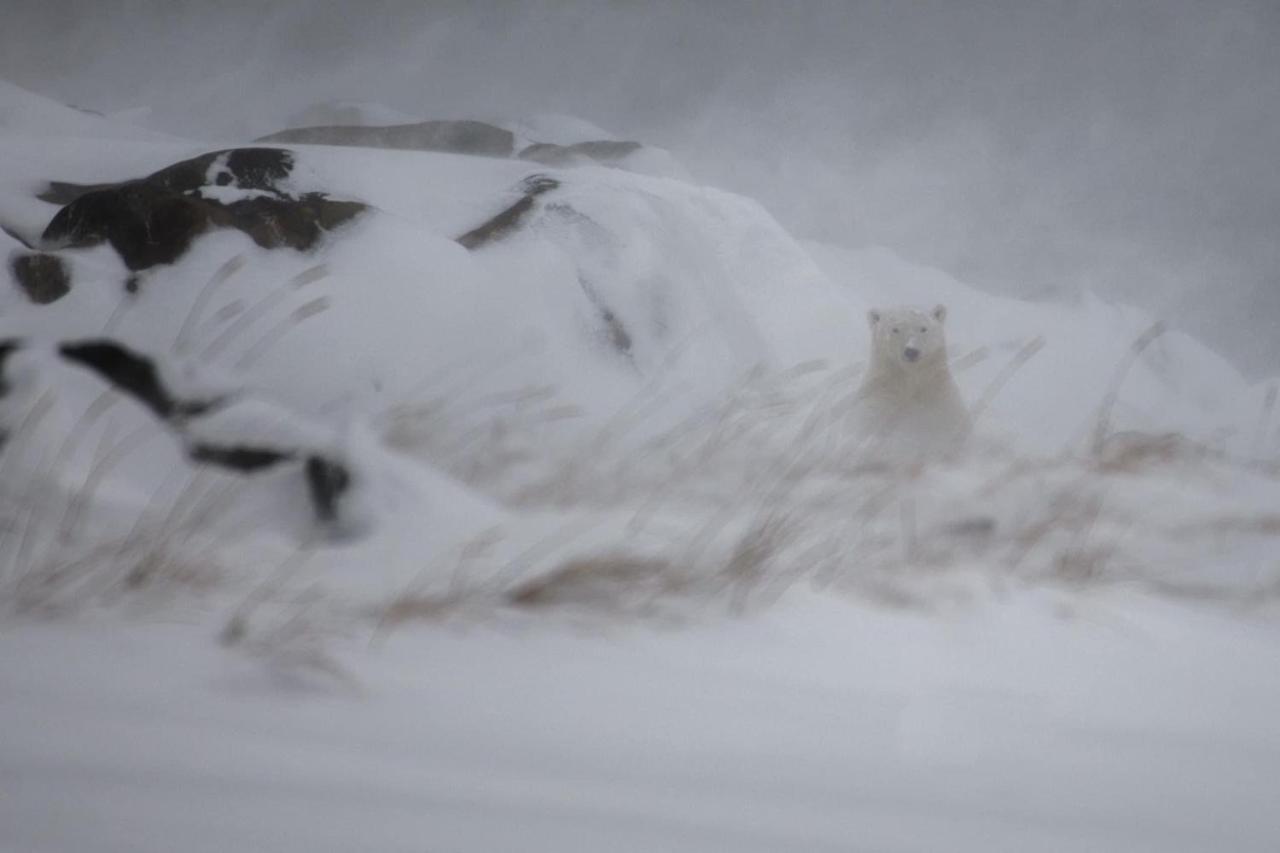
[[911, 353]]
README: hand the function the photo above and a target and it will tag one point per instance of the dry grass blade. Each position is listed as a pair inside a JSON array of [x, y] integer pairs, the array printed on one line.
[[1102, 425], [1024, 354], [609, 582], [181, 343], [34, 415], [273, 335], [748, 563], [1264, 421], [105, 461], [261, 308], [969, 359]]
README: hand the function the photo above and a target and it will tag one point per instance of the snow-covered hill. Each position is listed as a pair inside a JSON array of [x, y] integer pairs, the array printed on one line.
[[522, 398]]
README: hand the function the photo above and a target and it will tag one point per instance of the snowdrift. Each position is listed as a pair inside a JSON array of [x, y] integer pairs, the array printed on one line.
[[487, 342]]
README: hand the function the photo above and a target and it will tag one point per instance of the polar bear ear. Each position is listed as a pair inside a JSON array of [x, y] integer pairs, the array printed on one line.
[[940, 313], [873, 317]]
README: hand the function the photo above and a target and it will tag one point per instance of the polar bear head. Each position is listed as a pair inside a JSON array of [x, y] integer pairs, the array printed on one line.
[[908, 336]]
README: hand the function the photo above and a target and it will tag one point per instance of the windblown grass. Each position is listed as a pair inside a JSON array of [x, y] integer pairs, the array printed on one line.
[[769, 490], [724, 512]]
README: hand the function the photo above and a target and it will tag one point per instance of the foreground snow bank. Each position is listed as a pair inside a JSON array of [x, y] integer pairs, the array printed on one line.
[[1055, 723]]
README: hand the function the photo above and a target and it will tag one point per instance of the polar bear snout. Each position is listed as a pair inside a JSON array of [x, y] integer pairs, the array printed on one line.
[[911, 354]]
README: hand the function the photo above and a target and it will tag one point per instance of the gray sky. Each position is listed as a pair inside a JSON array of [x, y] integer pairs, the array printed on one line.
[[1030, 148]]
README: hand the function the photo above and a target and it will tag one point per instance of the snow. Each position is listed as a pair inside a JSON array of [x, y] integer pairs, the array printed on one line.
[[819, 725], [25, 113], [611, 573]]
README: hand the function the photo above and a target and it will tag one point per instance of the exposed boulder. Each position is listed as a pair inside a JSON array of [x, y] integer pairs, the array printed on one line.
[[605, 152], [63, 193], [263, 169], [612, 330], [459, 137], [134, 374], [153, 220], [504, 223], [8, 347], [245, 458], [247, 450], [43, 277], [349, 111], [146, 225], [465, 136], [327, 481], [296, 223]]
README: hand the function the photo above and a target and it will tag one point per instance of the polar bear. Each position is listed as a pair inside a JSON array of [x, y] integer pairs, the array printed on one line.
[[908, 406]]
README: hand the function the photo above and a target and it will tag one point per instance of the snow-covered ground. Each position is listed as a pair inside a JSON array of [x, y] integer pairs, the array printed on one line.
[[1045, 723], [612, 573]]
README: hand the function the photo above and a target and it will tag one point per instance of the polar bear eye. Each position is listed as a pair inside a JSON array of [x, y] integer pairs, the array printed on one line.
[[896, 330], [923, 330]]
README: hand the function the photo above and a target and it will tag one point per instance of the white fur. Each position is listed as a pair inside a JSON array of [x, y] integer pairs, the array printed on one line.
[[908, 406]]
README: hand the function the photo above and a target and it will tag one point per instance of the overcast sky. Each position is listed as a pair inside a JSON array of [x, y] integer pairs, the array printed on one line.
[[1033, 148]]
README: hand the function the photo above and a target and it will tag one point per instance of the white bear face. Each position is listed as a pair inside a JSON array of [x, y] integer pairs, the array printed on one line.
[[908, 336]]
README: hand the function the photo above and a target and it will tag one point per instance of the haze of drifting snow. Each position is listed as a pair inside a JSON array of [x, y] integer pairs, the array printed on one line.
[[641, 600]]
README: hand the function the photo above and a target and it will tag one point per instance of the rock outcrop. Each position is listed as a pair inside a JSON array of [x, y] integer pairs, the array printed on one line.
[[457, 137], [154, 220], [43, 277], [141, 377]]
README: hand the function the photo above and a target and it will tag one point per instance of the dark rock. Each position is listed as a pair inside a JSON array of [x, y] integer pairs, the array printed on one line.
[[508, 220], [8, 346], [606, 152], [146, 225], [296, 223], [138, 376], [246, 168], [133, 374], [458, 137], [43, 277], [499, 226], [153, 220], [546, 153], [613, 331], [64, 192], [327, 481], [239, 457]]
